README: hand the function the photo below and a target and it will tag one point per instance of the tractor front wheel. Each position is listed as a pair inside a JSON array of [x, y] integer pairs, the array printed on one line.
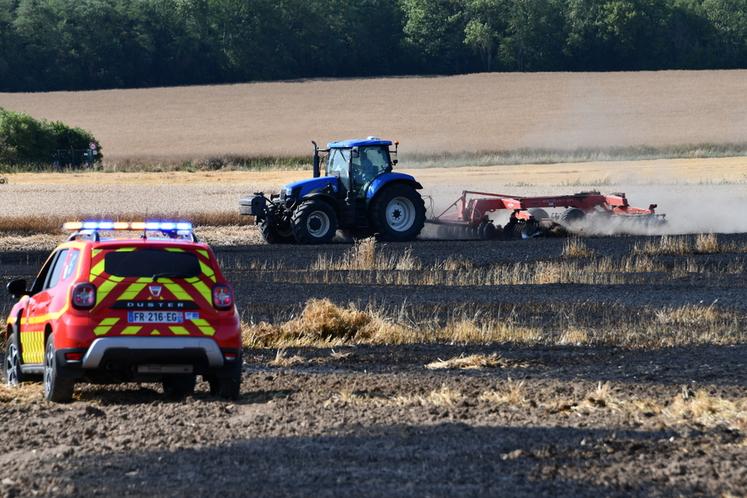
[[314, 222], [398, 213], [273, 234]]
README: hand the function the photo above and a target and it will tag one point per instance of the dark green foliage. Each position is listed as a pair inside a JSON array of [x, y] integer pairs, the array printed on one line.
[[25, 140], [84, 44]]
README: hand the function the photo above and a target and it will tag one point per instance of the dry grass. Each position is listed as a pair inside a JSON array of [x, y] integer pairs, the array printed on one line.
[[707, 244], [573, 337], [666, 245], [24, 393], [283, 360], [365, 256], [511, 393], [403, 269], [707, 410], [461, 362], [576, 248], [445, 396], [324, 324], [487, 112]]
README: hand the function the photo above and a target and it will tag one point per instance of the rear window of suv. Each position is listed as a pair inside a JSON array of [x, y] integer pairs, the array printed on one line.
[[150, 262]]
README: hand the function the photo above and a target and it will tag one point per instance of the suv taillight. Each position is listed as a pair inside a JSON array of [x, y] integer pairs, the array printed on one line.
[[84, 296], [222, 297]]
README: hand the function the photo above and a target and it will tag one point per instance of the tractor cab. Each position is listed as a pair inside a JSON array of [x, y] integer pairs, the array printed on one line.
[[356, 163]]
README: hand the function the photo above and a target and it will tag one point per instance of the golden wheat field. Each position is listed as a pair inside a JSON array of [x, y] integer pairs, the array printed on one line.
[[480, 112]]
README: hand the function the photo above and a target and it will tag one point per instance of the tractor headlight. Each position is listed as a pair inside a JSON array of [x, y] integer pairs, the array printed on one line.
[[289, 192]]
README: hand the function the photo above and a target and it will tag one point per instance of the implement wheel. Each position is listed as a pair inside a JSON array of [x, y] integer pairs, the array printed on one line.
[[314, 222], [572, 216], [488, 231]]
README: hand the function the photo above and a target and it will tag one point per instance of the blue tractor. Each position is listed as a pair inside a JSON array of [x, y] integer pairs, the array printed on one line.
[[358, 194]]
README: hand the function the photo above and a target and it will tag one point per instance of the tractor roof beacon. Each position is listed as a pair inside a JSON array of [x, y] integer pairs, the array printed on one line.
[[357, 192]]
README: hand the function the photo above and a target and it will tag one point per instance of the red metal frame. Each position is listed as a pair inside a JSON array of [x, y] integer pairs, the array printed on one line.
[[472, 207]]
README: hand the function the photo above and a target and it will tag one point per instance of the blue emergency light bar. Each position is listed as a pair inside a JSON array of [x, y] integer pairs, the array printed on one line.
[[162, 226]]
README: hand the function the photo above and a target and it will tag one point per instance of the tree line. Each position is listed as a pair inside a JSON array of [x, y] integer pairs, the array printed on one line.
[[28, 141], [87, 44]]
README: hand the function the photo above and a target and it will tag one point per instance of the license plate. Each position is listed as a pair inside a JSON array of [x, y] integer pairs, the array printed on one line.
[[165, 369], [155, 316]]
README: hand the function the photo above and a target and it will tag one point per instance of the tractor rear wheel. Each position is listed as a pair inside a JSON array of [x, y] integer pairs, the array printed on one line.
[[398, 213], [314, 222]]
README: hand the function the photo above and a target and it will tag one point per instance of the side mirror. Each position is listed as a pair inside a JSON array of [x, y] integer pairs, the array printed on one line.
[[395, 161], [17, 288], [355, 152]]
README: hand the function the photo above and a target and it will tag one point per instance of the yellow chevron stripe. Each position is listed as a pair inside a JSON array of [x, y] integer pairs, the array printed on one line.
[[32, 346], [177, 290], [155, 332], [105, 326], [200, 287], [104, 289], [131, 330], [177, 330], [97, 270], [125, 249], [204, 326], [101, 330], [174, 249], [131, 291], [207, 271], [204, 253]]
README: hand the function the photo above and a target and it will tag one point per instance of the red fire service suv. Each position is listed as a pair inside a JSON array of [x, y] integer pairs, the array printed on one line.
[[155, 308]]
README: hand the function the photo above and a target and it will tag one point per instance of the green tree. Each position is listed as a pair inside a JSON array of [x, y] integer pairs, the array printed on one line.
[[729, 21], [436, 29], [484, 28], [534, 35]]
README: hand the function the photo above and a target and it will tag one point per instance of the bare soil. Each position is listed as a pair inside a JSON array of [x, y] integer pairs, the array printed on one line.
[[373, 421]]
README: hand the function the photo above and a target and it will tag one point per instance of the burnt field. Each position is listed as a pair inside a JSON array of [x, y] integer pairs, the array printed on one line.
[[599, 366]]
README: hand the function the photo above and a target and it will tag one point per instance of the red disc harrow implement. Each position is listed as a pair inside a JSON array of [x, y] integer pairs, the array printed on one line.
[[470, 215]]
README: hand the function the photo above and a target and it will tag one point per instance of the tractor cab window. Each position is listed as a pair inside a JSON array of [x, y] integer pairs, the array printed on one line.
[[368, 163], [337, 165]]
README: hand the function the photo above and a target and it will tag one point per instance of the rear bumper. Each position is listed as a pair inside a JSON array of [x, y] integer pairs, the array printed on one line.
[[116, 359], [152, 346]]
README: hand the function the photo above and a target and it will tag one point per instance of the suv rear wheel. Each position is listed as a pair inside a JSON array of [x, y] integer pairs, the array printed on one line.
[[59, 390], [227, 387], [179, 386]]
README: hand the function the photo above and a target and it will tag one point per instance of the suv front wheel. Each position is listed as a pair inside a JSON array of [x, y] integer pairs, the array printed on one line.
[[57, 389]]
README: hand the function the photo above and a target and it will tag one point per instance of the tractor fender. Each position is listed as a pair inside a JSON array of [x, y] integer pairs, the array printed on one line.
[[324, 196], [384, 180]]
